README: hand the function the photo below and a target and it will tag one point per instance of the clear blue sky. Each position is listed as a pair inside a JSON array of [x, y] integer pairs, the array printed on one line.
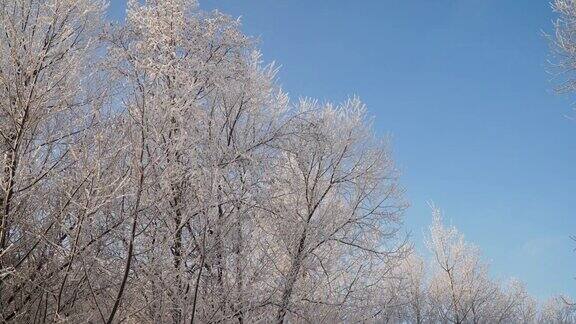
[[461, 86]]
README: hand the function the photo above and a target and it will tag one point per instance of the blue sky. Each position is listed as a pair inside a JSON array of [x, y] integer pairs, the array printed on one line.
[[461, 88]]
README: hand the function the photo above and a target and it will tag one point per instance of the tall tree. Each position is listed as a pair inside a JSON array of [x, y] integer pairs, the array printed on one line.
[[210, 114], [48, 96]]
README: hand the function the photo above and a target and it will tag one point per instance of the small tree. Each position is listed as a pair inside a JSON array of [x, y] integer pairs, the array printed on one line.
[[461, 290], [558, 310]]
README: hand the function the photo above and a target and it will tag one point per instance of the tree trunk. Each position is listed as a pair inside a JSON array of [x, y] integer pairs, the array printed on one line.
[[291, 279]]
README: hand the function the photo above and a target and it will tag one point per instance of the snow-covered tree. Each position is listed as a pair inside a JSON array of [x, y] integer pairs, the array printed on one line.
[[207, 114], [413, 290], [155, 172], [564, 42], [461, 289], [49, 97], [336, 206], [558, 310]]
